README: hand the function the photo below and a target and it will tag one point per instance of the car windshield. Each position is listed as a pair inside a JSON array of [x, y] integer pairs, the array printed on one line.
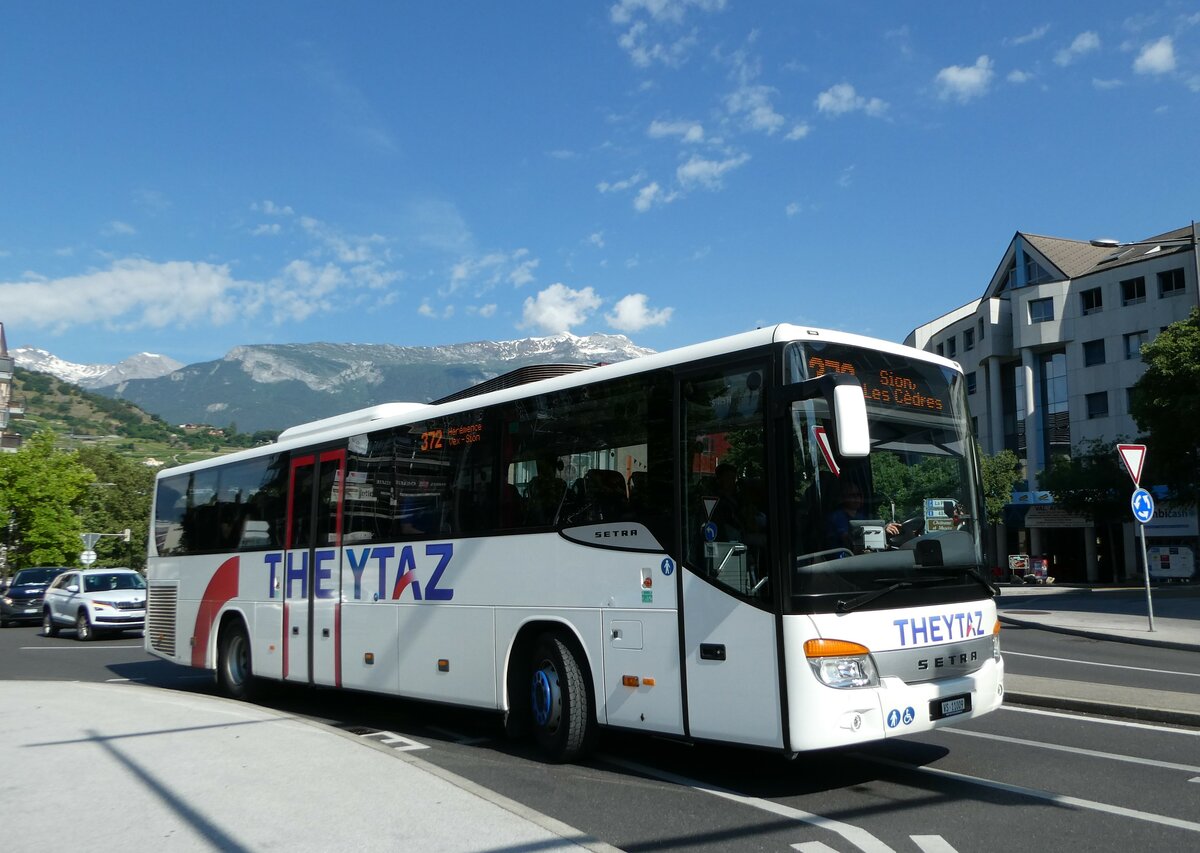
[[904, 518], [35, 576], [115, 580]]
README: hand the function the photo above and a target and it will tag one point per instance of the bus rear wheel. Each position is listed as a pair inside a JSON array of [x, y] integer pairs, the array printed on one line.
[[235, 671], [560, 701]]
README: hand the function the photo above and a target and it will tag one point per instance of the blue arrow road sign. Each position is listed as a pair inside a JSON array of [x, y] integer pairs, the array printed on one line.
[[1143, 506]]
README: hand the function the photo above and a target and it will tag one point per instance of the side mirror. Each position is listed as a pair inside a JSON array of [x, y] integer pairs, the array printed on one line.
[[72, 588], [844, 394], [850, 418]]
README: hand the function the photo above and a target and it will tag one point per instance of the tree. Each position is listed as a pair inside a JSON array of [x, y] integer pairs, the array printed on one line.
[[1093, 484], [41, 491], [1000, 473], [1165, 403], [119, 499]]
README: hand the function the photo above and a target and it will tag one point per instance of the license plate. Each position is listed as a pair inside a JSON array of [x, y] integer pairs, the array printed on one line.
[[31, 610], [950, 706]]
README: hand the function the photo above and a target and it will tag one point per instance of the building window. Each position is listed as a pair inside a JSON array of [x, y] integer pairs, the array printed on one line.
[[975, 426], [1133, 291], [1170, 283], [968, 339], [951, 346], [940, 349], [1134, 342], [981, 328], [1097, 405], [1093, 352], [1041, 310], [971, 382], [1091, 301], [1129, 400]]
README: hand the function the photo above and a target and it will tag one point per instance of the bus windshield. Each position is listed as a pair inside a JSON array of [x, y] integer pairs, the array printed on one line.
[[907, 518]]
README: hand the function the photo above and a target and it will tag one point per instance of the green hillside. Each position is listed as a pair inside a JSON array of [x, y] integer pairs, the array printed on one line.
[[81, 418]]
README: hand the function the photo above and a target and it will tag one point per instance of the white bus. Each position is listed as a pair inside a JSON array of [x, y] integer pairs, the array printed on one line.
[[773, 539]]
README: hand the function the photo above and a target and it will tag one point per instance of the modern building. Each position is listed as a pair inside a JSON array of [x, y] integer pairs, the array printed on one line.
[[1051, 351], [10, 406]]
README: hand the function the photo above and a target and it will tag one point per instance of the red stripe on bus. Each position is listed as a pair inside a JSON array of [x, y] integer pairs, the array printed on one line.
[[222, 587]]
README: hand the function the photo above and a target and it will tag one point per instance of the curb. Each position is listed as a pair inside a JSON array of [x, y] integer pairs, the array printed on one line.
[[1097, 635], [1106, 709]]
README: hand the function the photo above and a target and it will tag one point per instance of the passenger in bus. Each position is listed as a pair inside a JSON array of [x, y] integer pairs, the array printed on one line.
[[545, 491]]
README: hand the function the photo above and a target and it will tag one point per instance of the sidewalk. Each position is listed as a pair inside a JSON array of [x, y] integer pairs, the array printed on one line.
[[1106, 614], [155, 770]]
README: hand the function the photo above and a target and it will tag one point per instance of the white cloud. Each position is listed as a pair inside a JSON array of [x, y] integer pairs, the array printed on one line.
[[632, 314], [622, 185], [753, 105], [687, 131], [132, 293], [1018, 76], [699, 171], [1156, 58], [842, 98], [1033, 35], [1083, 44], [964, 83], [267, 230], [596, 239], [270, 208], [1105, 85], [798, 131], [650, 195], [117, 228], [487, 310], [652, 35], [792, 209], [558, 308], [484, 273]]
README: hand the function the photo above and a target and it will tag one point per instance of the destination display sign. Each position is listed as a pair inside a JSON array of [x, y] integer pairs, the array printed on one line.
[[887, 381]]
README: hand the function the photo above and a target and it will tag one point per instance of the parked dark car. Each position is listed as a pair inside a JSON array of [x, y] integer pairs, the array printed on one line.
[[22, 601]]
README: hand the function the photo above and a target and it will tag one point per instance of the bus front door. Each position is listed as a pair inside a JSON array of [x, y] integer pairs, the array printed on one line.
[[313, 574]]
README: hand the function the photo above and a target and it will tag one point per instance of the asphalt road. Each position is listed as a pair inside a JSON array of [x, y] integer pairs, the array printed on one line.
[[1019, 780]]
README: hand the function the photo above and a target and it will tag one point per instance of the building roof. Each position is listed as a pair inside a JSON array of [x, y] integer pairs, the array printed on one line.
[[1073, 257]]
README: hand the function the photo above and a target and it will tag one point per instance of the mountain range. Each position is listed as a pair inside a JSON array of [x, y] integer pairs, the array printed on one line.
[[273, 386]]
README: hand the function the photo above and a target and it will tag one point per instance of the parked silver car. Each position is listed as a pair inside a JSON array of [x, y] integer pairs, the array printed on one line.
[[95, 600]]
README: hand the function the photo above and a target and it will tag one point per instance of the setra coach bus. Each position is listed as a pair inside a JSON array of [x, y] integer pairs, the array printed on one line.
[[772, 539]]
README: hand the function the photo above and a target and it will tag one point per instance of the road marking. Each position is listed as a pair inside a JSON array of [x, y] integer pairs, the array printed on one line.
[[932, 844], [1097, 663], [857, 836], [1146, 762], [397, 742], [813, 847], [83, 647], [1101, 720], [1057, 799]]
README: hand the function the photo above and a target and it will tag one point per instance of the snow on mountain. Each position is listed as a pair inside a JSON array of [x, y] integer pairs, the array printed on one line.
[[144, 365]]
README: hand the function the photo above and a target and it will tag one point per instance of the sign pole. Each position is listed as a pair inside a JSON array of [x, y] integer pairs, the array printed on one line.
[[1146, 571], [1133, 456]]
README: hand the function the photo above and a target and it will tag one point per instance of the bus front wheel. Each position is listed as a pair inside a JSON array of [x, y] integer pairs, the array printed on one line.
[[559, 700], [235, 673]]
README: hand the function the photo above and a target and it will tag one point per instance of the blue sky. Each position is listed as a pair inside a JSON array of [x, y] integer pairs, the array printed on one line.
[[182, 178]]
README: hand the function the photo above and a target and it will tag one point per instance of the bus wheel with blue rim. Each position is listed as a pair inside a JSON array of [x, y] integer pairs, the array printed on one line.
[[235, 673], [560, 701]]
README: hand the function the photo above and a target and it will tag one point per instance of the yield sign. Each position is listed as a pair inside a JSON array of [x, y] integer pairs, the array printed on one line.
[[1133, 455]]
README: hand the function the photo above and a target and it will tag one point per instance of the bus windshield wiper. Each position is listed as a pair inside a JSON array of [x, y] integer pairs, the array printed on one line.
[[977, 575], [846, 605]]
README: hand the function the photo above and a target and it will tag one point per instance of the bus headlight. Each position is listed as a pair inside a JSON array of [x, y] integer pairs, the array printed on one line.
[[839, 663]]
